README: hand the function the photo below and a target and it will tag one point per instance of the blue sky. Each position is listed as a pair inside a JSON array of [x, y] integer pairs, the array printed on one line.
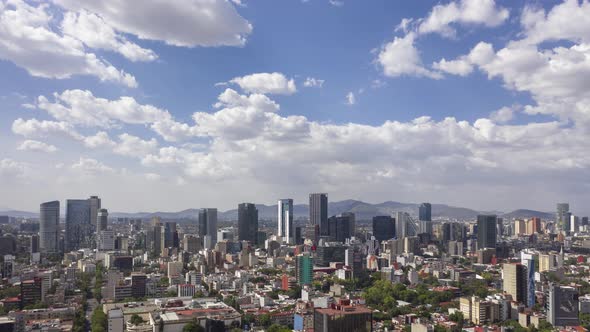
[[355, 136]]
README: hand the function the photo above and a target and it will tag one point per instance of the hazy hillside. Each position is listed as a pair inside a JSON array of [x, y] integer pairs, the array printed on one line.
[[362, 210]]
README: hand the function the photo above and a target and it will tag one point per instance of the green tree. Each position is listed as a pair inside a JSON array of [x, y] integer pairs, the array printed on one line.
[[99, 322], [193, 327], [278, 328], [264, 320], [136, 319]]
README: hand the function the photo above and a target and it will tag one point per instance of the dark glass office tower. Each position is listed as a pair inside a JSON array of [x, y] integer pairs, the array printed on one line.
[[49, 226], [383, 228], [486, 231], [318, 211], [247, 222], [78, 226]]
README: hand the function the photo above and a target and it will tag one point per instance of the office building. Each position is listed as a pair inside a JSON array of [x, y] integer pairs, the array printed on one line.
[[102, 220], [563, 306], [562, 214], [515, 281], [486, 231], [191, 243], [138, 285], [401, 225], [78, 226], [318, 212], [106, 240], [342, 318], [531, 283], [341, 227], [247, 222], [94, 204], [425, 218], [170, 235], [208, 225], [383, 228], [285, 221], [49, 226], [30, 291], [304, 269], [116, 320]]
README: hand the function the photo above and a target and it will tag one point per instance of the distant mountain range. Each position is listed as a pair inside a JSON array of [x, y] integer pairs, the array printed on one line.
[[362, 210]]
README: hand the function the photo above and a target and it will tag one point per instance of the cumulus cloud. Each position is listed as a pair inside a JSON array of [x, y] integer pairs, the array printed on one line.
[[89, 166], [400, 57], [465, 12], [461, 66], [503, 115], [134, 146], [569, 20], [81, 107], [27, 41], [34, 128], [266, 83], [99, 140], [93, 31], [187, 23], [32, 145]]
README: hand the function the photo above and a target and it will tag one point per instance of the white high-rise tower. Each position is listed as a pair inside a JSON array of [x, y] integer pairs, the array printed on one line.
[[285, 220]]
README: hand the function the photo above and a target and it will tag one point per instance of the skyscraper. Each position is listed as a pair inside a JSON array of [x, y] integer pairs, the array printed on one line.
[[515, 281], [563, 306], [425, 212], [401, 224], [486, 231], [425, 218], [561, 214], [318, 211], [341, 227], [77, 223], [383, 228], [103, 220], [208, 224], [247, 222], [531, 283], [304, 269], [285, 220], [49, 226], [170, 235], [94, 202]]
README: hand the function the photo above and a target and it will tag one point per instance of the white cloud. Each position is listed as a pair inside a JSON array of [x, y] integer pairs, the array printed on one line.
[[313, 82], [186, 23], [81, 107], [569, 20], [32, 145], [27, 41], [267, 83], [93, 31], [400, 57], [133, 146], [336, 3], [89, 166], [99, 140], [350, 98], [461, 66], [34, 128], [503, 115], [465, 12]]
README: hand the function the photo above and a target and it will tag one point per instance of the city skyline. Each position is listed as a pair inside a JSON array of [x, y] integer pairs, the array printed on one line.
[[363, 100]]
